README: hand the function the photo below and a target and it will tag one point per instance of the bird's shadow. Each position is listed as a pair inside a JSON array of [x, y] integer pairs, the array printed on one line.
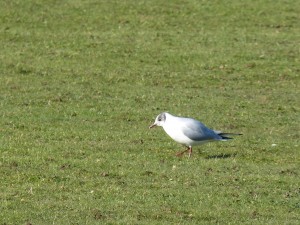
[[221, 156]]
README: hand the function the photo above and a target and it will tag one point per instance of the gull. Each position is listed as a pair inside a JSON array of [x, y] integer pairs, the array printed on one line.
[[188, 131]]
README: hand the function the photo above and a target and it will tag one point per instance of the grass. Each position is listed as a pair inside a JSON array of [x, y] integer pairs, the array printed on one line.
[[81, 81]]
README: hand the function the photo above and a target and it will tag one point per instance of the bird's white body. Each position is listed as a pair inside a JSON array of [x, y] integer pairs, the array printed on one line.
[[174, 128], [188, 131]]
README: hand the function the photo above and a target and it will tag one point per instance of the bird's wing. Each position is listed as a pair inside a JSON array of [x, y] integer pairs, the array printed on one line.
[[197, 131]]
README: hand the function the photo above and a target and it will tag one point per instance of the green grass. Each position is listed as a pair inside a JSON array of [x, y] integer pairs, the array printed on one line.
[[81, 81]]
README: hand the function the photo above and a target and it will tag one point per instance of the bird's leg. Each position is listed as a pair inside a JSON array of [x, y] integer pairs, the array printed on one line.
[[190, 151], [179, 154]]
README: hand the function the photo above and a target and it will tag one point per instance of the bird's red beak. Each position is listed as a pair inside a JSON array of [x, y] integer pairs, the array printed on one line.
[[153, 125]]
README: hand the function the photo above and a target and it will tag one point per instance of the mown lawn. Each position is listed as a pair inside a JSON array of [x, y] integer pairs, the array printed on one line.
[[81, 81]]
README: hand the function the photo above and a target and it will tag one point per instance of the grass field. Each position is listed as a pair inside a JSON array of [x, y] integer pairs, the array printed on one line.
[[81, 81]]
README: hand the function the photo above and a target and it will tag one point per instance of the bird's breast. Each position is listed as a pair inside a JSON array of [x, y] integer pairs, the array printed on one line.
[[177, 135]]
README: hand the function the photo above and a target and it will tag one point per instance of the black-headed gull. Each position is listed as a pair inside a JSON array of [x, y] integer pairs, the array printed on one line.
[[188, 131]]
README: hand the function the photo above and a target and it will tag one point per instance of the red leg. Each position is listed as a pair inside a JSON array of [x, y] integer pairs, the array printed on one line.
[[189, 149]]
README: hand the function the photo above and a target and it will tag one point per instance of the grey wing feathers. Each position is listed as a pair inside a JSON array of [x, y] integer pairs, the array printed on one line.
[[197, 131], [225, 135]]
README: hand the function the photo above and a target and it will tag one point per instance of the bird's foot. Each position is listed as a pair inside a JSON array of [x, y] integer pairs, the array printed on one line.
[[180, 154]]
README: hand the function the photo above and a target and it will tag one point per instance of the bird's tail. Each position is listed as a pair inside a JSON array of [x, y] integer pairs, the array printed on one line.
[[224, 136]]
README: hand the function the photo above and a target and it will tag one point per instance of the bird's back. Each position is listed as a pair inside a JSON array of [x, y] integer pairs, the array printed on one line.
[[187, 130], [197, 131]]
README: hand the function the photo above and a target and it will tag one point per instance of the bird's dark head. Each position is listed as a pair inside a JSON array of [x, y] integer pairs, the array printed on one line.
[[159, 121]]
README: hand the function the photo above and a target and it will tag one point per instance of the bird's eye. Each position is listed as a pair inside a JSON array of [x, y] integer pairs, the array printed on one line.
[[159, 119]]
